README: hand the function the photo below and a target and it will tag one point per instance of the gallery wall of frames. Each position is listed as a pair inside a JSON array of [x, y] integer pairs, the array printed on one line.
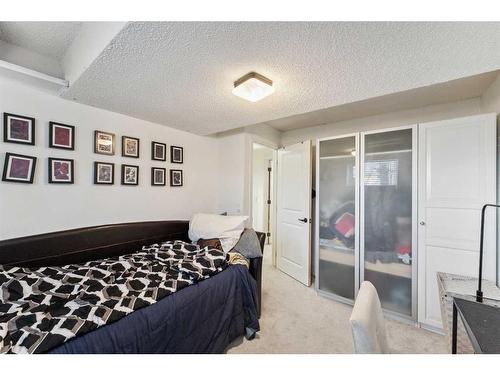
[[43, 206], [20, 168]]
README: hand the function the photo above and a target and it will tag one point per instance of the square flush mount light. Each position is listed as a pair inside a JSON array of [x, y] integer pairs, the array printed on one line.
[[253, 87]]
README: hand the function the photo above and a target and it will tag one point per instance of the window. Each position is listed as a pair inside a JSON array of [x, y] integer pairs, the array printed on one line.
[[381, 172]]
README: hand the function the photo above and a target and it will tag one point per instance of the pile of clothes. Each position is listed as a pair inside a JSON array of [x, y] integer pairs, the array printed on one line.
[[387, 237]]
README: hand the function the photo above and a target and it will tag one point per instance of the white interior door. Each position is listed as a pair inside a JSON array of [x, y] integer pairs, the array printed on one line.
[[293, 235], [457, 175]]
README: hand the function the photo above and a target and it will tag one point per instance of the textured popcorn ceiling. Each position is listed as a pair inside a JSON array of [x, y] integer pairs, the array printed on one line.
[[46, 38], [181, 74], [439, 93]]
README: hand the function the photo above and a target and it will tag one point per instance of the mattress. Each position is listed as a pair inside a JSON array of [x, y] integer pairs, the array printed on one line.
[[202, 318]]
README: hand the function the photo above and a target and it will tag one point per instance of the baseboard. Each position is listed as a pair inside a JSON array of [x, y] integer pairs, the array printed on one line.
[[431, 328]]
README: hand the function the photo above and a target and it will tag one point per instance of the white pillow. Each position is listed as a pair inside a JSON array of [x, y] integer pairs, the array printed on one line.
[[227, 229]]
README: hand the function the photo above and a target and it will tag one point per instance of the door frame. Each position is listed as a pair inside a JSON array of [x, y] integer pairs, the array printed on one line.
[[414, 218], [356, 220], [269, 144]]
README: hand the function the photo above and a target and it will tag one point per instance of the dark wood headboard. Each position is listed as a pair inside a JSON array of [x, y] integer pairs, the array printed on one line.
[[103, 241], [83, 244]]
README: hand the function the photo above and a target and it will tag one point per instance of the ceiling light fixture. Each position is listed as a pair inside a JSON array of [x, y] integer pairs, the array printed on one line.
[[253, 87]]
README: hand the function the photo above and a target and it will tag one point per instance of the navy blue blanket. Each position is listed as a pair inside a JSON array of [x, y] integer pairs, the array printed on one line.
[[202, 318]]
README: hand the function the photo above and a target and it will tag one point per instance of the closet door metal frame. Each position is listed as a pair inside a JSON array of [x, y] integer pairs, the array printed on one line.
[[356, 219], [414, 218]]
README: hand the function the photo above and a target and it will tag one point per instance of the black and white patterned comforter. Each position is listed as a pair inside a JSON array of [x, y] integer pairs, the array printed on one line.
[[42, 308]]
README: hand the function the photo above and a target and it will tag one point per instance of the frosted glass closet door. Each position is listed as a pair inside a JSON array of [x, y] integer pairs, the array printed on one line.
[[336, 212], [387, 217]]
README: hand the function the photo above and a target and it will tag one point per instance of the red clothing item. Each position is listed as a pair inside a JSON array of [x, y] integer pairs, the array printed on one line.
[[345, 224]]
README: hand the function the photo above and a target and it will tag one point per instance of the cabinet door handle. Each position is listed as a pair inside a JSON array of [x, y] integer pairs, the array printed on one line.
[[422, 223], [304, 220]]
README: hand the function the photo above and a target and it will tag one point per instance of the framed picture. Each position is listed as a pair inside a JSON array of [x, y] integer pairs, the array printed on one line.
[[18, 129], [176, 154], [158, 176], [130, 174], [61, 171], [176, 177], [130, 147], [104, 143], [104, 173], [158, 151], [19, 168], [61, 136]]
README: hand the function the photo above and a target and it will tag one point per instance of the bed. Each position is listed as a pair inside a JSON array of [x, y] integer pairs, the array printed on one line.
[[201, 318]]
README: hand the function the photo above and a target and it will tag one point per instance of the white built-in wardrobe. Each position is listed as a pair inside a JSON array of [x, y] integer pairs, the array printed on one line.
[[396, 206]]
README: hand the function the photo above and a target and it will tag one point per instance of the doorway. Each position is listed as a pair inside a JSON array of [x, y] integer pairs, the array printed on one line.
[[262, 191]]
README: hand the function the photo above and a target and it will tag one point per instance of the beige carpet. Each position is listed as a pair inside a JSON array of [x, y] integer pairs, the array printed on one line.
[[296, 320]]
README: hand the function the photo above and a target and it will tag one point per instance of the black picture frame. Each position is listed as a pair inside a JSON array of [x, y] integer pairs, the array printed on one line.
[[153, 149], [153, 176], [7, 133], [125, 138], [173, 172], [96, 143], [173, 150], [97, 181], [71, 171], [123, 179], [7, 168], [52, 144]]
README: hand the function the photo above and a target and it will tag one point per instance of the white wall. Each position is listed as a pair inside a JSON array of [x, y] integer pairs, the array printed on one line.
[[264, 132], [235, 166], [232, 173], [387, 120], [490, 102], [41, 207]]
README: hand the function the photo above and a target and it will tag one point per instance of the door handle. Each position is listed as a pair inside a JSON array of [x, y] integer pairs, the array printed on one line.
[[304, 220], [422, 223]]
